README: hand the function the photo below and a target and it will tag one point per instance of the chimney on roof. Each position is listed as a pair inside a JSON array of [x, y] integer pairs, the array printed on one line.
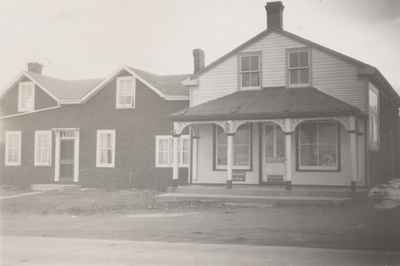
[[274, 15], [198, 60], [35, 67]]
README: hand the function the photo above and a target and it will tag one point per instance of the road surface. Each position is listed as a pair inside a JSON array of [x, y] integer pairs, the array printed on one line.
[[71, 251]]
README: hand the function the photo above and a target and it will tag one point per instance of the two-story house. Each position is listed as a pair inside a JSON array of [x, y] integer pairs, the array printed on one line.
[[94, 132], [280, 109]]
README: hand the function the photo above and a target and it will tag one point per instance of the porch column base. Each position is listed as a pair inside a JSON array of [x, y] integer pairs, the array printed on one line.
[[288, 185], [229, 184], [175, 182], [353, 186]]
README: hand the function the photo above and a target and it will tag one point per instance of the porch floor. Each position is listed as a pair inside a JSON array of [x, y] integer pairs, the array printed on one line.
[[264, 194]]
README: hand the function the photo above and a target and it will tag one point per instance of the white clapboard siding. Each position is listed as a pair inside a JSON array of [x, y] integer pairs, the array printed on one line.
[[330, 74]]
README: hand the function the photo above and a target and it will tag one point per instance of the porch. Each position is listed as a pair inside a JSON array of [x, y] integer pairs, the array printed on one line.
[[275, 136]]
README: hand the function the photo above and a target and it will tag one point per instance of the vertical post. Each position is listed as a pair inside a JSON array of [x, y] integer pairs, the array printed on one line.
[[353, 152], [229, 162], [195, 142], [76, 155], [288, 152], [57, 156], [175, 163]]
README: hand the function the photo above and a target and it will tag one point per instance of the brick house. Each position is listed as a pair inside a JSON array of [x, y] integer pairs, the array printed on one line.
[[92, 132], [280, 109]]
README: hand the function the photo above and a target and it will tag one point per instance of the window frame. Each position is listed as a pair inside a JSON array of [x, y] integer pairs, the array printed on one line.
[[132, 105], [113, 142], [240, 72], [288, 68], [221, 167], [169, 138], [48, 133], [32, 87], [308, 168], [374, 145], [6, 151]]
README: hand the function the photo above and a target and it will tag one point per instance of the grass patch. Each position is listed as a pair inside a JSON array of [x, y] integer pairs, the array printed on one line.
[[81, 202]]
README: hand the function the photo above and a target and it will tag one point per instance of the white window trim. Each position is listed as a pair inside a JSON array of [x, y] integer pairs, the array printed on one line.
[[20, 108], [133, 96], [18, 162], [258, 54], [236, 167], [49, 135], [169, 165], [288, 68], [317, 167], [98, 163]]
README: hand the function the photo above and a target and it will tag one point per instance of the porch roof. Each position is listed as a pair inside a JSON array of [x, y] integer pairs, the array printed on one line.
[[268, 103]]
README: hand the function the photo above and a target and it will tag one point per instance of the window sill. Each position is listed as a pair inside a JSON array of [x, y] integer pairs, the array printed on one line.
[[318, 169], [242, 168], [299, 85], [12, 164], [250, 88], [105, 166], [42, 165]]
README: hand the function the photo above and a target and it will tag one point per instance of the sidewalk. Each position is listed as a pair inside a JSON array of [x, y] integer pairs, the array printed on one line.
[[71, 251]]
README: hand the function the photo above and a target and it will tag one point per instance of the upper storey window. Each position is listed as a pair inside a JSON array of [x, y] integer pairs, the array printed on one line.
[[26, 96], [298, 67], [126, 88], [373, 97], [250, 70]]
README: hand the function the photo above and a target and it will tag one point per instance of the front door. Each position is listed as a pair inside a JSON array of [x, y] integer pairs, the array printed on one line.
[[273, 154], [67, 160]]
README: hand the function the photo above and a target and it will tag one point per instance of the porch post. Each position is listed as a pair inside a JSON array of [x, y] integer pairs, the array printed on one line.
[[57, 156], [195, 141], [288, 152], [229, 162], [76, 156], [175, 163], [353, 152]]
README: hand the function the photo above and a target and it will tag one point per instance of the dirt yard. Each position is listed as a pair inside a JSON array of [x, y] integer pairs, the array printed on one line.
[[133, 215]]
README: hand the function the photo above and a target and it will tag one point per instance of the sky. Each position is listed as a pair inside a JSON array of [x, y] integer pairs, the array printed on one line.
[[77, 39]]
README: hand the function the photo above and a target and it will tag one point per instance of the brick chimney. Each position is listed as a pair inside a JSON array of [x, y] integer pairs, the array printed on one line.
[[35, 67], [274, 15], [198, 60]]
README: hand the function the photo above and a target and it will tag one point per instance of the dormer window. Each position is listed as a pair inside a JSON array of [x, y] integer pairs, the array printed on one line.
[[26, 96], [298, 67], [250, 70], [125, 96]]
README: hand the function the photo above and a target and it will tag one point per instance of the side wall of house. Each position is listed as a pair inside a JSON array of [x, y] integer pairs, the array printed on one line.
[[135, 139], [9, 101], [384, 162], [330, 74]]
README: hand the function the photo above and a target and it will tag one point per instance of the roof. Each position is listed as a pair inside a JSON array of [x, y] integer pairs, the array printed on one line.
[[65, 90], [79, 91], [268, 103], [373, 72], [168, 84]]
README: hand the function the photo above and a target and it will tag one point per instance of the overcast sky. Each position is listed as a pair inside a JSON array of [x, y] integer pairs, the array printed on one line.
[[91, 38]]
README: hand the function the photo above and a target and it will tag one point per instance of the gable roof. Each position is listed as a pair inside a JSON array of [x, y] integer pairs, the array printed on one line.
[[365, 68], [79, 91], [66, 91], [168, 87], [268, 103]]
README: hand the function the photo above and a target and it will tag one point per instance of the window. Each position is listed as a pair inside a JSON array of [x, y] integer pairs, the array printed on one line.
[[165, 150], [126, 87], [13, 148], [43, 148], [26, 96], [318, 146], [241, 148], [250, 71], [298, 67], [373, 117], [105, 154]]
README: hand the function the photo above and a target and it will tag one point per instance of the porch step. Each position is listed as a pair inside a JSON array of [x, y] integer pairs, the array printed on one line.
[[48, 187], [272, 191], [270, 200]]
